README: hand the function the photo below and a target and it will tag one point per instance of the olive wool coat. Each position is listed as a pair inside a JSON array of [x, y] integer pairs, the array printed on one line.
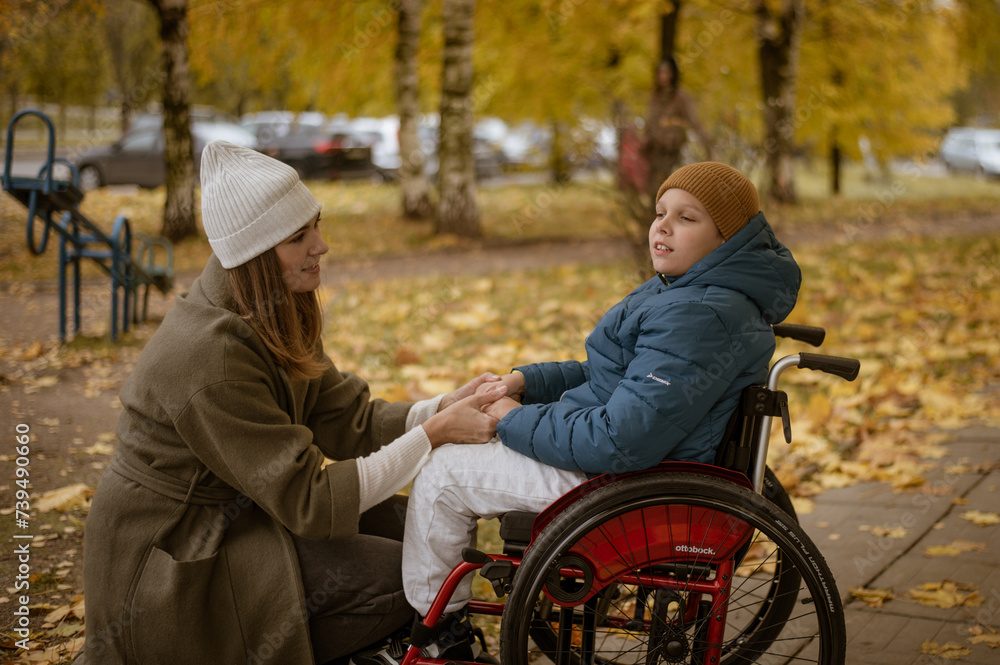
[[188, 558]]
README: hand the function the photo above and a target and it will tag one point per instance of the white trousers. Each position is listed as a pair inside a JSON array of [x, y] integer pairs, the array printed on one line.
[[458, 485]]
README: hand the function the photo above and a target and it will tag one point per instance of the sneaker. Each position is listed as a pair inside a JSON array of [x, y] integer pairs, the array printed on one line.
[[456, 639], [390, 652]]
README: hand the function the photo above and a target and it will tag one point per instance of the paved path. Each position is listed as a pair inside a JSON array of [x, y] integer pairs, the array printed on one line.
[[894, 633]]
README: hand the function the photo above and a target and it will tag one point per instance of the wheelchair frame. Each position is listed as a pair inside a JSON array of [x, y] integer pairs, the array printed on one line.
[[573, 571]]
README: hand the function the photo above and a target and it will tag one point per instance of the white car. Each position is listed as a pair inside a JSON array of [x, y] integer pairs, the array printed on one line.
[[972, 149]]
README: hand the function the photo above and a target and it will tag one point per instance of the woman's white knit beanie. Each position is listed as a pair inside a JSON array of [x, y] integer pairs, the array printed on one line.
[[249, 202]]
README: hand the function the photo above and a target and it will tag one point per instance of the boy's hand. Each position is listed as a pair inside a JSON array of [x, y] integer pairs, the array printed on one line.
[[514, 383]]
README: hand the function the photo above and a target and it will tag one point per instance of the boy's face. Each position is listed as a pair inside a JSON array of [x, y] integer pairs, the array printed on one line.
[[682, 233]]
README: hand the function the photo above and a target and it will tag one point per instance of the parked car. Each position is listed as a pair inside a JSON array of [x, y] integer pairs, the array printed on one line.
[[489, 158], [382, 136], [137, 158], [972, 149], [320, 152], [269, 125]]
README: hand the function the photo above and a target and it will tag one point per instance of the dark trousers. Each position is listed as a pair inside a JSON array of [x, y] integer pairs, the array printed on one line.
[[354, 586]]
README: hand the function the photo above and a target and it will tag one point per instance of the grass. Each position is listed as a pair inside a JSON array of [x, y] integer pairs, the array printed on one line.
[[359, 220]]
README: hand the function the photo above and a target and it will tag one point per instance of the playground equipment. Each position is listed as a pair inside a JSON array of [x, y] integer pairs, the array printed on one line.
[[56, 203]]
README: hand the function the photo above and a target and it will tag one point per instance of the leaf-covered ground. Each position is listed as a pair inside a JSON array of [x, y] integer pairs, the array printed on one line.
[[920, 312]]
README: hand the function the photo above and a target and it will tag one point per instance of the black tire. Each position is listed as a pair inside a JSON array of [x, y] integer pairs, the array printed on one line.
[[766, 613], [782, 573]]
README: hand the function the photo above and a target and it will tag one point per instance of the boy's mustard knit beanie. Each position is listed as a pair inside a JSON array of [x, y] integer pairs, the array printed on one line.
[[728, 195]]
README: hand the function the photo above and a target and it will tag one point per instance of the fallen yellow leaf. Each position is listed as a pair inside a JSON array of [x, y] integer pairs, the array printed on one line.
[[99, 449], [57, 615], [64, 498], [43, 382], [955, 548], [946, 594], [948, 650], [980, 518], [991, 640], [896, 532], [873, 597], [36, 349]]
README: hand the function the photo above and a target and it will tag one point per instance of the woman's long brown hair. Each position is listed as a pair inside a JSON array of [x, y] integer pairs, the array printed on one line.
[[289, 323]]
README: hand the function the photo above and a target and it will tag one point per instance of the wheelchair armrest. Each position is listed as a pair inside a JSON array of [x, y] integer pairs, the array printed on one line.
[[515, 531]]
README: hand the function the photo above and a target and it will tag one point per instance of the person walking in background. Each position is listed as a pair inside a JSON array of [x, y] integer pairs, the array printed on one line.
[[671, 116]]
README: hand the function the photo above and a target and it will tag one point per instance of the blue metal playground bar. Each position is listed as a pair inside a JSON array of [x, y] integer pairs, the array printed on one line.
[[56, 203]]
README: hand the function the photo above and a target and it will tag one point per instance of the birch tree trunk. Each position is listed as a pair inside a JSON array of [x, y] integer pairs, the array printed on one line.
[[178, 212], [778, 38], [412, 177], [457, 211]]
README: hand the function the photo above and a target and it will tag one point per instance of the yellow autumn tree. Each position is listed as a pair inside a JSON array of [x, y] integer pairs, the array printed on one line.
[[877, 74], [978, 27], [877, 71]]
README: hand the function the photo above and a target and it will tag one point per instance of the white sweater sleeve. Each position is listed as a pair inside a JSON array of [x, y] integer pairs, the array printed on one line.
[[421, 411], [389, 469]]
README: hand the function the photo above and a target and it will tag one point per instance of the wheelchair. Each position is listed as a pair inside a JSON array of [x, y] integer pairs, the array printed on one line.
[[680, 563]]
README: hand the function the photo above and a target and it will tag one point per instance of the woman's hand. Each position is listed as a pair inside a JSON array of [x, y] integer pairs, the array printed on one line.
[[501, 408], [466, 420], [468, 389]]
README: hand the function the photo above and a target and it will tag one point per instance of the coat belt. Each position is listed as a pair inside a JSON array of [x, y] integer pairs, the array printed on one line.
[[129, 466]]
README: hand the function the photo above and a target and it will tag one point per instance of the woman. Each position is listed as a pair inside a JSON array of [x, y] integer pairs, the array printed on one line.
[[219, 533], [671, 115]]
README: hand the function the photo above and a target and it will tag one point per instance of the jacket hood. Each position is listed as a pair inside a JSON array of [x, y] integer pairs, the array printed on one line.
[[754, 263]]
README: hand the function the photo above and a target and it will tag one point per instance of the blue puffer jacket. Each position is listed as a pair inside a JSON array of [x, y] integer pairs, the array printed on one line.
[[665, 366]]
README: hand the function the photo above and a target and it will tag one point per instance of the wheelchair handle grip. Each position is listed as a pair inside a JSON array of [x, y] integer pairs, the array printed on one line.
[[846, 368], [808, 334]]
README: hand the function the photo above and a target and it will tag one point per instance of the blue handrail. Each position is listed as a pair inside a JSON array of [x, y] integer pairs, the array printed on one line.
[[8, 159]]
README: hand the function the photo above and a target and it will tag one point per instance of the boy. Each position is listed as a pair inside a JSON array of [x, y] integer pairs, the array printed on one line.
[[664, 371]]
